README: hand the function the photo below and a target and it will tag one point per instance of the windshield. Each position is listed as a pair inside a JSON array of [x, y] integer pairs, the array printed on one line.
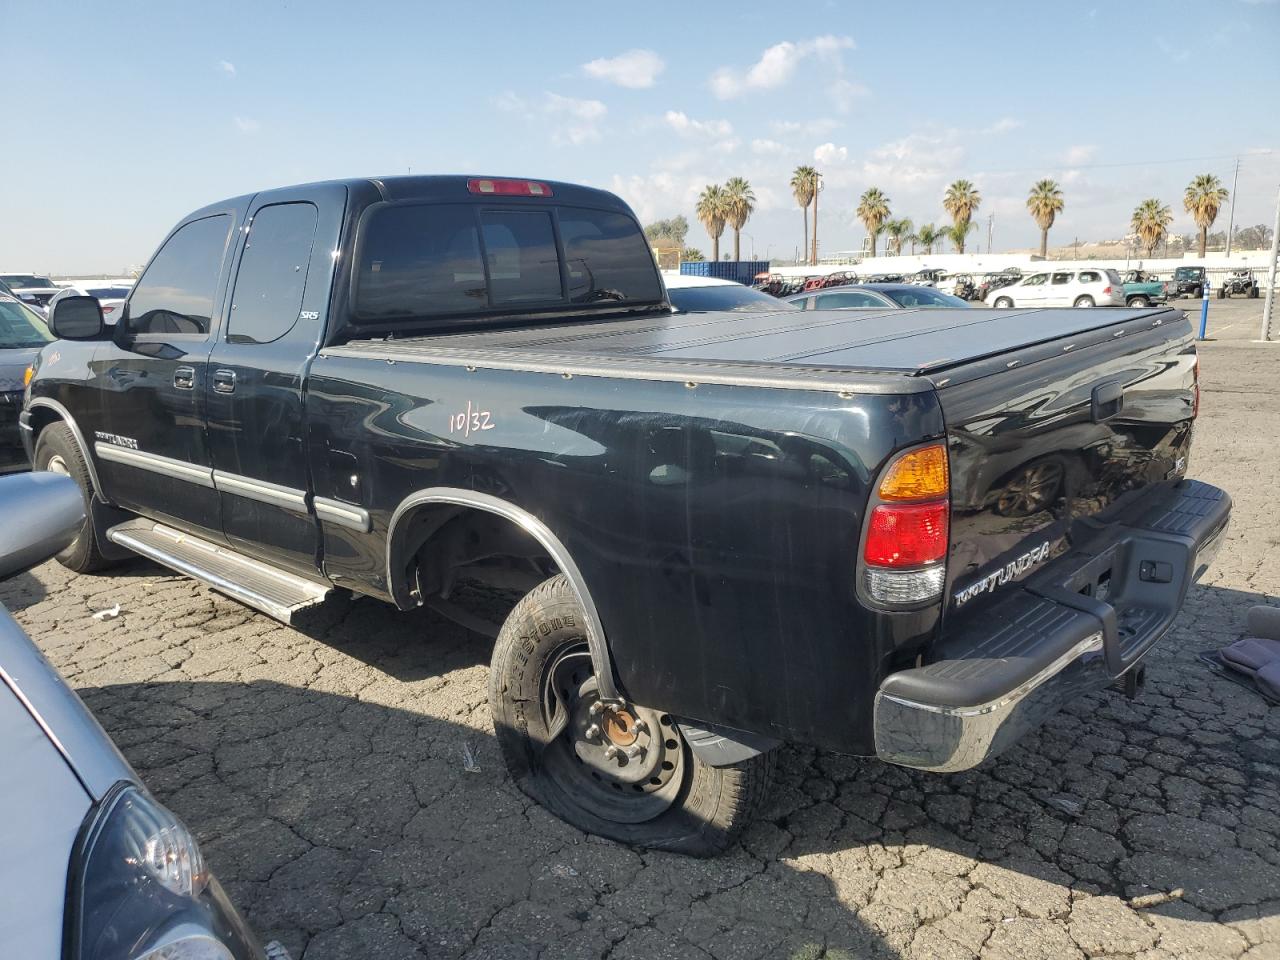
[[25, 280], [1186, 273], [923, 297], [737, 299], [19, 327], [455, 261]]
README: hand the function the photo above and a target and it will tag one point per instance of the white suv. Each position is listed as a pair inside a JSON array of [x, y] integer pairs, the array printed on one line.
[[1094, 287]]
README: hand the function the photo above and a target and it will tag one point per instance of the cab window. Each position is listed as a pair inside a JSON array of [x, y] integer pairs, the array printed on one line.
[[1036, 280], [273, 273], [175, 295]]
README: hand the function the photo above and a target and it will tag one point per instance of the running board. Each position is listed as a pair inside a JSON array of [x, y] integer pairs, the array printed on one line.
[[254, 583]]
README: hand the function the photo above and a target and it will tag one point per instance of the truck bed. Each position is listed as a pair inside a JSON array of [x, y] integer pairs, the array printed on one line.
[[870, 350]]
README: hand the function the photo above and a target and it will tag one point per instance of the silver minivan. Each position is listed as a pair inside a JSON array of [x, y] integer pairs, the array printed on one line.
[[1088, 287]]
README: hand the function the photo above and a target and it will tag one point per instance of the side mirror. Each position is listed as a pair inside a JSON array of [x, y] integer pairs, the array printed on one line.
[[52, 512], [77, 318]]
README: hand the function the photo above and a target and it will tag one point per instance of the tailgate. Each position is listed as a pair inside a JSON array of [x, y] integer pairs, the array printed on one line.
[[1052, 443]]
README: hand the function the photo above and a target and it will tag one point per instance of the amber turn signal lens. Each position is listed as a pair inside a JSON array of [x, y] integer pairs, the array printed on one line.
[[917, 475], [28, 374]]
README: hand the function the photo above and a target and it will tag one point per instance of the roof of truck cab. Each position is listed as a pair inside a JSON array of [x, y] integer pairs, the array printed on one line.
[[819, 344]]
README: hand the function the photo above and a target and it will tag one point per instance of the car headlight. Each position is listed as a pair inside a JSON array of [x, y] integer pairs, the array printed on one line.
[[139, 889]]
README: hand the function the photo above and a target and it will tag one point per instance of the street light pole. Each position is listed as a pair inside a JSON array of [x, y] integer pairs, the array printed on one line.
[[1231, 219], [1269, 303]]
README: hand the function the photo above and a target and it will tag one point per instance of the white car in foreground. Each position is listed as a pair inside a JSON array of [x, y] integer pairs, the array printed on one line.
[[1092, 287]]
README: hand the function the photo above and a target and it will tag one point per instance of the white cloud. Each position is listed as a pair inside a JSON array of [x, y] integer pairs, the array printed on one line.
[[636, 69], [1080, 153], [577, 121], [829, 154], [227, 67], [845, 93], [1003, 125], [809, 128], [777, 65], [766, 147], [683, 124], [247, 124], [1176, 54]]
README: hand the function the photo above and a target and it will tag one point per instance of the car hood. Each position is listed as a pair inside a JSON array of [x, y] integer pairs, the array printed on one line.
[[13, 363], [41, 808]]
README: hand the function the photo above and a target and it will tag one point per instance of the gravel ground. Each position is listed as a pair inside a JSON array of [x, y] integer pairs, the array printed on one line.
[[344, 781]]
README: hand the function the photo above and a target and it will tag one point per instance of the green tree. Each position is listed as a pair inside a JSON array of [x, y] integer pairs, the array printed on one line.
[[668, 233], [1203, 198], [962, 201], [958, 232], [692, 254], [1044, 203], [713, 212], [873, 211], [804, 187], [899, 231], [740, 202], [1150, 222], [929, 236]]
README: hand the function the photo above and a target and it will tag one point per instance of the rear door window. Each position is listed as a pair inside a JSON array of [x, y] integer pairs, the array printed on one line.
[[848, 300], [273, 273], [175, 295], [1061, 278]]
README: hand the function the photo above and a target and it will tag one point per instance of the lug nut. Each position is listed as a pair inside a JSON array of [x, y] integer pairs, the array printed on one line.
[[634, 751], [639, 727], [596, 709], [593, 732], [611, 752]]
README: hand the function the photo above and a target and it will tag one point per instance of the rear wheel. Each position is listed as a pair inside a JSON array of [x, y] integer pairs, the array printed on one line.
[[1222, 293], [1253, 293], [1003, 303], [1085, 301], [622, 772], [58, 452], [1139, 301]]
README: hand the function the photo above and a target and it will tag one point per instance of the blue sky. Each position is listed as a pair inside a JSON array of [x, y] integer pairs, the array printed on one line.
[[124, 117]]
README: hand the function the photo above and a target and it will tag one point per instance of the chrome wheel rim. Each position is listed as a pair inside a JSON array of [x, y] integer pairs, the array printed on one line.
[[625, 764]]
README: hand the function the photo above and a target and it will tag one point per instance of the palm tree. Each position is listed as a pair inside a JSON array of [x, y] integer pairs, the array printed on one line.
[[1045, 203], [873, 211], [712, 211], [961, 201], [929, 235], [899, 231], [804, 187], [1204, 198], [740, 203], [958, 231], [1150, 222]]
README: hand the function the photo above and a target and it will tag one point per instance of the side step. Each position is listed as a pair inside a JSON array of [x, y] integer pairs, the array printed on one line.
[[259, 585]]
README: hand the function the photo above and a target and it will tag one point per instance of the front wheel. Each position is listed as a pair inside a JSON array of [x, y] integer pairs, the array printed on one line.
[[58, 452], [1222, 293], [1085, 301], [622, 772], [1003, 303], [1253, 293]]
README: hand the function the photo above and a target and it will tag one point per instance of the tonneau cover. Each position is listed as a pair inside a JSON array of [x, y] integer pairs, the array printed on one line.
[[910, 342]]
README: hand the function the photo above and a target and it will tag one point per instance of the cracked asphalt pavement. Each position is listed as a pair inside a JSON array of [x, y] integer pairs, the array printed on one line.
[[345, 784]]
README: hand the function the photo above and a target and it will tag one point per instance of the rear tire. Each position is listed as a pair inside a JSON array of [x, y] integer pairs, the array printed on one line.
[[542, 694], [1003, 303], [1085, 301], [1139, 301], [58, 452], [1253, 293], [1222, 293]]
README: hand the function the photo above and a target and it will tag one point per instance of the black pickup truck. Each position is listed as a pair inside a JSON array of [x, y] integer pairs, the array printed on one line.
[[914, 534]]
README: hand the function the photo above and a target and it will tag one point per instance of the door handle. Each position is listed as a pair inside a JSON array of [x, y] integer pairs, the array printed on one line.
[[224, 381], [184, 378]]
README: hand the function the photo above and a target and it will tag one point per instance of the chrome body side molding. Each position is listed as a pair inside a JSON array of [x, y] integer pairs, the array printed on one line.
[[287, 498], [165, 466], [85, 451], [343, 514], [550, 542]]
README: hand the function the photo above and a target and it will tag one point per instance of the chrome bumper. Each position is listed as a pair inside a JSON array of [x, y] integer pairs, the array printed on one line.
[[1057, 621]]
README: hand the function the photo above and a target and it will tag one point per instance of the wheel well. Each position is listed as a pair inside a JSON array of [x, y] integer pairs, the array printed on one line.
[[443, 546], [41, 417]]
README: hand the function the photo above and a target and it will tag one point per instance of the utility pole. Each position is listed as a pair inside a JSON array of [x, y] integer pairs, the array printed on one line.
[[991, 225], [813, 244], [1232, 218], [1271, 276]]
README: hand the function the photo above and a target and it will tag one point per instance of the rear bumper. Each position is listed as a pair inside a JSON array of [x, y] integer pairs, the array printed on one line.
[[1084, 621]]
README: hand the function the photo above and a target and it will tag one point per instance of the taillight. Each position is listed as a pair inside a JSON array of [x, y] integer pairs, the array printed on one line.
[[1106, 289], [508, 188], [907, 532], [106, 310]]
